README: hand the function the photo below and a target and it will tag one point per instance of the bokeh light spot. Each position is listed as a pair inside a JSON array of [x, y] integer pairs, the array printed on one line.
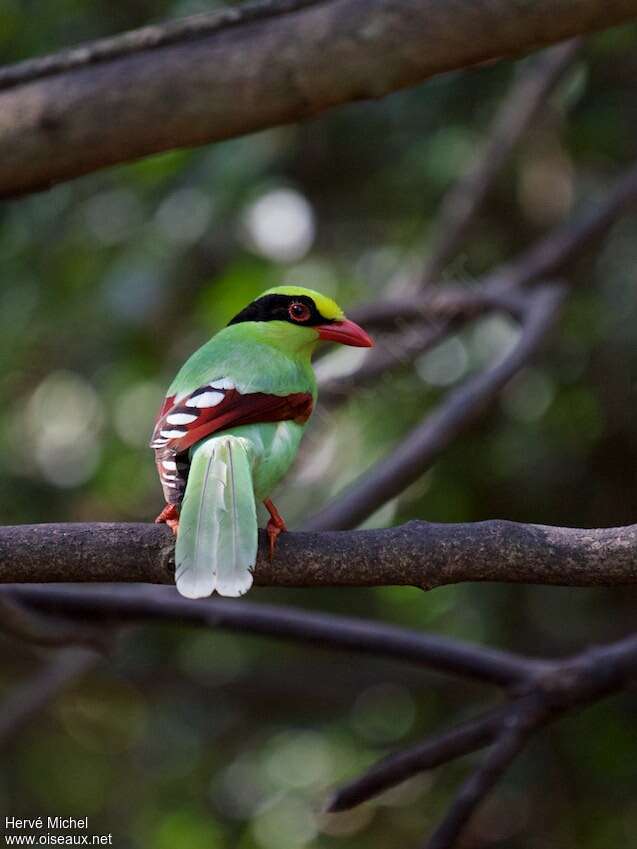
[[280, 225]]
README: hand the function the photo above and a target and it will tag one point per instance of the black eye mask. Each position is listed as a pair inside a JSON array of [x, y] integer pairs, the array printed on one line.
[[277, 308]]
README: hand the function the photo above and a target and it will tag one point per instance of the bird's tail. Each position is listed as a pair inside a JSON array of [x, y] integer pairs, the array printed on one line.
[[218, 537]]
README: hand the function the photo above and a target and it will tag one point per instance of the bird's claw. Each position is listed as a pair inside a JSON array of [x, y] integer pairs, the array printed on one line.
[[169, 516], [275, 527], [274, 530]]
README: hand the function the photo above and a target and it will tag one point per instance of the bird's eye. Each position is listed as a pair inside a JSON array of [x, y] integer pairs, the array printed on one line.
[[298, 311]]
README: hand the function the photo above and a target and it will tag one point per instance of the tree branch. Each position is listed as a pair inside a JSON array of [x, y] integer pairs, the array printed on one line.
[[458, 209], [388, 355], [18, 621], [521, 105], [442, 309], [548, 694], [503, 287], [427, 441], [434, 751], [566, 244], [539, 691], [479, 784], [197, 90], [28, 698], [420, 554], [321, 629], [148, 38]]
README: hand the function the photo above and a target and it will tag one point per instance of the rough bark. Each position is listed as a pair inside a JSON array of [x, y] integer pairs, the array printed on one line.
[[260, 72], [417, 553]]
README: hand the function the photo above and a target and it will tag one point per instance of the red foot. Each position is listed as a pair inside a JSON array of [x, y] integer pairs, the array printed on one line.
[[170, 516], [275, 527]]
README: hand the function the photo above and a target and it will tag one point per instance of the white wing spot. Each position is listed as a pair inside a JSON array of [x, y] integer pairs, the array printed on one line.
[[206, 399], [181, 418], [173, 434], [224, 383]]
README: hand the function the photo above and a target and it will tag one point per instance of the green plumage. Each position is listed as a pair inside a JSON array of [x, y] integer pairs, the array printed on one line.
[[271, 357], [218, 524], [217, 540], [258, 369]]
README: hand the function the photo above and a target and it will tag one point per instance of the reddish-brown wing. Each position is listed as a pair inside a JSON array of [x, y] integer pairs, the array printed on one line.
[[211, 408]]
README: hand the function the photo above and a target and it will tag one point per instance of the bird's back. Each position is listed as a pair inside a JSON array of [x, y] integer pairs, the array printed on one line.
[[252, 363]]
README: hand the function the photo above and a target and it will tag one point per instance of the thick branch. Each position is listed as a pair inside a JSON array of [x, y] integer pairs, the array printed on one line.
[[417, 554], [203, 89], [148, 38]]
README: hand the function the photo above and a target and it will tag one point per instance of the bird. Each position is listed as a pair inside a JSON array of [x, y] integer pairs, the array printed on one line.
[[229, 429]]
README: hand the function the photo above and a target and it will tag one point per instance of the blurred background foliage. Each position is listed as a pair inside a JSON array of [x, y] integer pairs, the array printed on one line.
[[189, 739]]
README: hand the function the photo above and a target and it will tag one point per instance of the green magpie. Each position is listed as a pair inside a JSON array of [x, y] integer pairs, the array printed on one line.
[[230, 427]]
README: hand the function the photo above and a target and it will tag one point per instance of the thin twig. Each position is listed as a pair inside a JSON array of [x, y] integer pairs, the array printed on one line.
[[442, 303], [17, 620], [499, 289], [389, 355], [443, 310], [453, 306], [479, 784], [28, 698], [463, 201], [561, 686], [563, 246], [539, 691], [427, 441], [398, 767], [320, 629]]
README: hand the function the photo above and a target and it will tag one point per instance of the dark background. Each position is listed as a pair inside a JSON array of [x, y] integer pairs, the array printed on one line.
[[191, 739]]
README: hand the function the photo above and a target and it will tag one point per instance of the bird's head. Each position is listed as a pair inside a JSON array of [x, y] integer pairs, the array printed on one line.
[[295, 317]]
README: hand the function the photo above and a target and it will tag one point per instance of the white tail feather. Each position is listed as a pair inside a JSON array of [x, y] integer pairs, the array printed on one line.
[[218, 538]]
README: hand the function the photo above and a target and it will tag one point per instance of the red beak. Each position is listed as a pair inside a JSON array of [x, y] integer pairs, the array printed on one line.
[[346, 332]]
